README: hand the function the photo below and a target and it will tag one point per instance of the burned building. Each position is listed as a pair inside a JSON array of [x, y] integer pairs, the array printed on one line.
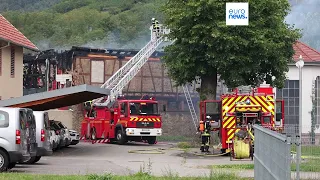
[[81, 65]]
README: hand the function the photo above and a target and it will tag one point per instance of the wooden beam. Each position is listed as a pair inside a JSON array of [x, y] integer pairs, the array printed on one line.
[[32, 103]]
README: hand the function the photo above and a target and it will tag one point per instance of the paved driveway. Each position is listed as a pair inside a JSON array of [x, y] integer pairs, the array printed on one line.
[[86, 158]]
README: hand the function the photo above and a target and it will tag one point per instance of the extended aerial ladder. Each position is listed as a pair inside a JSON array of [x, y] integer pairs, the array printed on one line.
[[127, 72]]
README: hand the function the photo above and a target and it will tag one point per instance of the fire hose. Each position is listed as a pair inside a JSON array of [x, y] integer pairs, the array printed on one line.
[[151, 151]]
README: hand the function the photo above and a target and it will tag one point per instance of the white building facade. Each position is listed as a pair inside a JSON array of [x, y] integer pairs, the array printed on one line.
[[290, 95]]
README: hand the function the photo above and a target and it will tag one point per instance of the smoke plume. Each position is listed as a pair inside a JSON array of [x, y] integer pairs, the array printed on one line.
[[304, 15]]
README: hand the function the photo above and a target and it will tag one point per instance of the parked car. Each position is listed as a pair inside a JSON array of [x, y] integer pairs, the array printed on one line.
[[14, 137], [59, 132], [43, 137], [54, 139], [75, 137], [66, 133]]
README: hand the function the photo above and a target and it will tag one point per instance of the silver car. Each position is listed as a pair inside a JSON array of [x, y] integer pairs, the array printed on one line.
[[66, 133], [15, 139], [43, 137], [59, 132]]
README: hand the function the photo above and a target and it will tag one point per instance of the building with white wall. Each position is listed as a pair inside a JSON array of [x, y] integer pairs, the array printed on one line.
[[290, 93]]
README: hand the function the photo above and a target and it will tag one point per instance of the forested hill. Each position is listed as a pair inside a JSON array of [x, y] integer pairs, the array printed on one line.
[[61, 24]]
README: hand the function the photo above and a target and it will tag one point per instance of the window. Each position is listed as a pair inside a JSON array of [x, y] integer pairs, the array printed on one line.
[[144, 108], [317, 98], [212, 108], [12, 62], [4, 119], [46, 121], [290, 95], [124, 109], [266, 119]]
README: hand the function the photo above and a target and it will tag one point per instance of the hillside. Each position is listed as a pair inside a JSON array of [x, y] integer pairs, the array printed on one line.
[[98, 23], [61, 24], [26, 5]]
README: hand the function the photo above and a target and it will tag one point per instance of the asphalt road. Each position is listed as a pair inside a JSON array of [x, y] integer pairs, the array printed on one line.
[[86, 158]]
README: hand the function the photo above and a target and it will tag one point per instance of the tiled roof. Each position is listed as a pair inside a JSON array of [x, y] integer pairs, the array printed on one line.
[[308, 54], [10, 34]]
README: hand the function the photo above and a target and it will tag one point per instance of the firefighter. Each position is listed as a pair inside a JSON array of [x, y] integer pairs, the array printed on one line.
[[155, 27], [88, 107], [153, 21], [205, 129]]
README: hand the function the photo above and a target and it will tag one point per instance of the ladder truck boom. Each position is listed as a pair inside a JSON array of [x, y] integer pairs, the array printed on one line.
[[127, 72]]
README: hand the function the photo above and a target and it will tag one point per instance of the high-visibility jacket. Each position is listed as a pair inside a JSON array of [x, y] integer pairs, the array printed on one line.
[[207, 129], [156, 22], [88, 103]]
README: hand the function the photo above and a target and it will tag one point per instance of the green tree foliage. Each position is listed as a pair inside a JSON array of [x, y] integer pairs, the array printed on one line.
[[241, 55], [78, 22], [26, 5]]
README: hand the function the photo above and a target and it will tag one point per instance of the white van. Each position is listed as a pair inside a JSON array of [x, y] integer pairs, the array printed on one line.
[[15, 140], [43, 137]]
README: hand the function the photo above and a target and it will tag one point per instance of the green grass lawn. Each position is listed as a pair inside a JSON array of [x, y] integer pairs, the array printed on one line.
[[138, 176], [310, 165], [173, 138], [308, 150]]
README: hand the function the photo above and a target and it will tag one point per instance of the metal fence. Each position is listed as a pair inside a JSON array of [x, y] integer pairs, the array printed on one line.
[[275, 154], [310, 151], [272, 157]]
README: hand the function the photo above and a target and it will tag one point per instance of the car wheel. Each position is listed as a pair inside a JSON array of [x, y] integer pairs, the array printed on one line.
[[11, 165], [151, 140], [121, 137], [29, 160], [4, 161], [54, 145], [67, 143], [37, 159]]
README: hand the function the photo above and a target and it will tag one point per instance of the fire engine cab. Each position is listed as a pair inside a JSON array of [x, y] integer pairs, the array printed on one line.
[[126, 120], [240, 108]]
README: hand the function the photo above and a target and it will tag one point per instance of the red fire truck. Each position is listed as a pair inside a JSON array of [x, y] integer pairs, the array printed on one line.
[[237, 109], [126, 120]]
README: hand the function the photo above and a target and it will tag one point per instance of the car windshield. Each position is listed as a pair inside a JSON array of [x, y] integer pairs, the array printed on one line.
[[54, 126], [138, 108], [61, 125]]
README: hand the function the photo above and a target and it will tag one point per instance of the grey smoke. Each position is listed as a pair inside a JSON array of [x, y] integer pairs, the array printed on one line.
[[305, 15]]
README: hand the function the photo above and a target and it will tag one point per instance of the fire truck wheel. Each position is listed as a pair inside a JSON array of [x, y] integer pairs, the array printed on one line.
[[152, 140], [121, 137]]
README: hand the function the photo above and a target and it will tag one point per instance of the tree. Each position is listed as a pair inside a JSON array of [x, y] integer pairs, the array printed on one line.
[[242, 55]]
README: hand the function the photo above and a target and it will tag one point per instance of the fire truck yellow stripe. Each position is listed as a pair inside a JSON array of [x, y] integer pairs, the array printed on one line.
[[228, 103], [232, 124], [232, 134], [270, 102], [228, 120]]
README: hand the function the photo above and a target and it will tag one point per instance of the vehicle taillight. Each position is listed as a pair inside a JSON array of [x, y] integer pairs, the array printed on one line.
[[18, 137], [42, 135]]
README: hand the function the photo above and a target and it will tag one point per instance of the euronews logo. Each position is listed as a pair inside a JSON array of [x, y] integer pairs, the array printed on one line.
[[237, 14]]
